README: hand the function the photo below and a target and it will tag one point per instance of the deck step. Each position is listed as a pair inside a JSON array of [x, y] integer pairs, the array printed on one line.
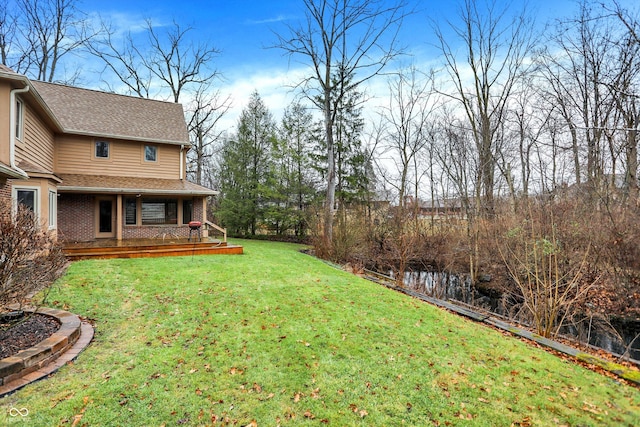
[[149, 251]]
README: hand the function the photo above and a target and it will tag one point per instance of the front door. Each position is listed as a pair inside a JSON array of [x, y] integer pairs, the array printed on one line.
[[105, 217]]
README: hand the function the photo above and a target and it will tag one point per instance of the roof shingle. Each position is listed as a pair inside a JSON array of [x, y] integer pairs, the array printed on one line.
[[90, 112], [129, 185]]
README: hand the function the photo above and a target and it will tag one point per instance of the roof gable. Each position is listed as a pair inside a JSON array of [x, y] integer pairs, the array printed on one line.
[[90, 112]]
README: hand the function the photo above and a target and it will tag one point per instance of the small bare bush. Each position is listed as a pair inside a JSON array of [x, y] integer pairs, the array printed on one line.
[[30, 258], [348, 238], [549, 270]]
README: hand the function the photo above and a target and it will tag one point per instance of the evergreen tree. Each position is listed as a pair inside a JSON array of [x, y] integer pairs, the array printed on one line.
[[354, 171], [244, 173], [293, 176]]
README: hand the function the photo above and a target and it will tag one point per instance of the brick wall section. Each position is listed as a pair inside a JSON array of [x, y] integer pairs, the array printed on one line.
[[163, 231], [155, 232], [197, 209], [76, 221], [5, 189], [76, 217]]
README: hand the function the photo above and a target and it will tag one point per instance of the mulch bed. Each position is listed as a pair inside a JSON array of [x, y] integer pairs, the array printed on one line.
[[26, 333]]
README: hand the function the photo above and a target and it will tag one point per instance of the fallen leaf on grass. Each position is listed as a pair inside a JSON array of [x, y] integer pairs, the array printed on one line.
[[270, 396], [525, 422], [236, 371], [78, 417], [591, 408]]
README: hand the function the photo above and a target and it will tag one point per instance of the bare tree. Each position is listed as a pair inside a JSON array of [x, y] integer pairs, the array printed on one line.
[[346, 43], [405, 120], [40, 34], [626, 93], [523, 130], [123, 59], [8, 26], [626, 89], [578, 70], [170, 60], [628, 20], [205, 112], [496, 47]]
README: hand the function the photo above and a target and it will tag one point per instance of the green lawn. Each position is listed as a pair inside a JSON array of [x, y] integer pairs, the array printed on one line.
[[277, 337]]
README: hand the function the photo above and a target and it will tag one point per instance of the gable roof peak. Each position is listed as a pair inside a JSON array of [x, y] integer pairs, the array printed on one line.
[[109, 115]]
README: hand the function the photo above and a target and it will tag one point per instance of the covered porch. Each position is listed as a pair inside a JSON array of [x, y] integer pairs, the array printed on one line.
[[109, 217]]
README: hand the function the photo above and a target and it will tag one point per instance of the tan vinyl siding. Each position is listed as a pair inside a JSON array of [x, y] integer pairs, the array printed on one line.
[[37, 144], [4, 118], [76, 155]]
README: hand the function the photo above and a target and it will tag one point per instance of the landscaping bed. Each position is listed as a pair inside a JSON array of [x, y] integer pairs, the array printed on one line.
[[26, 333]]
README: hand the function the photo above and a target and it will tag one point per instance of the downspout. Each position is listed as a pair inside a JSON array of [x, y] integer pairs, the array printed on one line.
[[12, 126]]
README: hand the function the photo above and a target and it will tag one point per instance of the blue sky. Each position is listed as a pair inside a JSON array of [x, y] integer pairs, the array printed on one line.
[[243, 29]]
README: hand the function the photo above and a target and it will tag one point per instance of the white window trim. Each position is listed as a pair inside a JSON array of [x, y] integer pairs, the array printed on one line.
[[53, 209], [36, 199], [19, 119]]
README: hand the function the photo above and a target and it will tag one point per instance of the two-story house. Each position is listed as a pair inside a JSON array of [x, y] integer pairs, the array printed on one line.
[[96, 165]]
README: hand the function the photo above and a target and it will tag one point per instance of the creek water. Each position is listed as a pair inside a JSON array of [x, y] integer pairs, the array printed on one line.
[[616, 336]]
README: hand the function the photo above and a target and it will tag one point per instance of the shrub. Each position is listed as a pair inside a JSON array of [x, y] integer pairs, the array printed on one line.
[[30, 258], [547, 263]]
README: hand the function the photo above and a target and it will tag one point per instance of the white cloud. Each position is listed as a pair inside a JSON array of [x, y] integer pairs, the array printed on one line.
[[273, 85], [276, 19]]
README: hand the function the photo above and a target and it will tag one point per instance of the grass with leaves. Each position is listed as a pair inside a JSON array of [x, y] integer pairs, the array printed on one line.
[[275, 337]]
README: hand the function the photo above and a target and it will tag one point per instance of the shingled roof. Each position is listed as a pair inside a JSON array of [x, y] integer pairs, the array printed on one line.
[[90, 112], [129, 185]]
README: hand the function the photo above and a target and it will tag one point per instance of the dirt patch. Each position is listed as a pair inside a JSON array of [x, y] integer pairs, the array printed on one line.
[[26, 333]]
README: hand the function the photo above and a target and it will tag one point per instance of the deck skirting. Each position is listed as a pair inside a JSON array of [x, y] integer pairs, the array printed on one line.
[[149, 250]]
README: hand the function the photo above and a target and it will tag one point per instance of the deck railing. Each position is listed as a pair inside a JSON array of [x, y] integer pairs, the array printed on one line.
[[209, 224]]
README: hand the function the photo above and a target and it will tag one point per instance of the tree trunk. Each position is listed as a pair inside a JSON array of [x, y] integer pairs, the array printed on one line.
[[331, 173]]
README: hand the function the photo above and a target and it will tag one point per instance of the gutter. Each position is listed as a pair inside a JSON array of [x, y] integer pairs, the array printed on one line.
[[126, 137], [12, 129], [106, 190], [9, 172]]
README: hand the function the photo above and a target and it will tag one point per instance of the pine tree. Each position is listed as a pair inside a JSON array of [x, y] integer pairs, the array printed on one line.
[[294, 178], [244, 173]]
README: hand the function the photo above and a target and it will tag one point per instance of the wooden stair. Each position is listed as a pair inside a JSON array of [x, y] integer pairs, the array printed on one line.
[[152, 250]]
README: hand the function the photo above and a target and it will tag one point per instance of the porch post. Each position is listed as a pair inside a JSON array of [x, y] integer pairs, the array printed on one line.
[[205, 230], [119, 217]]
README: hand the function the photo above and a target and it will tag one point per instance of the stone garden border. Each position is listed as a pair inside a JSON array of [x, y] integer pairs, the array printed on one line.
[[49, 355]]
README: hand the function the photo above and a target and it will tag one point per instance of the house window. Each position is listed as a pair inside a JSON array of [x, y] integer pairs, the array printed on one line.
[[130, 211], [187, 211], [27, 197], [150, 153], [19, 119], [53, 210], [102, 149], [159, 211]]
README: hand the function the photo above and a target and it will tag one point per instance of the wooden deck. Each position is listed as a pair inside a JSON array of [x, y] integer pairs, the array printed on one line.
[[147, 248]]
